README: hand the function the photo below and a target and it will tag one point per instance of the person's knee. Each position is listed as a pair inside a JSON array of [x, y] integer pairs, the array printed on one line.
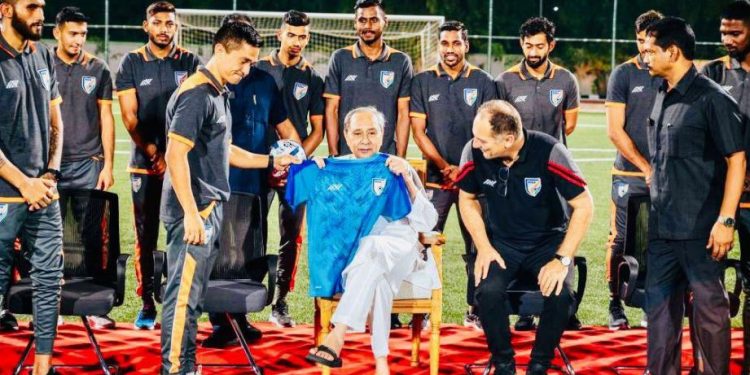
[[491, 290]]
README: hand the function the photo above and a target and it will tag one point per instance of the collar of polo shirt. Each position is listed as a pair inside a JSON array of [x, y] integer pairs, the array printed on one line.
[[465, 71], [684, 84], [638, 61], [731, 63], [78, 60], [385, 53], [275, 60], [548, 74], [150, 55], [28, 47]]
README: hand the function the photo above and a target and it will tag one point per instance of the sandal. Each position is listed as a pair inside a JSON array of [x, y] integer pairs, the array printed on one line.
[[315, 358]]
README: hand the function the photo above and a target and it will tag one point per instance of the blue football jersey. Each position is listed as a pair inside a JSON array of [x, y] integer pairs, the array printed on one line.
[[344, 200]]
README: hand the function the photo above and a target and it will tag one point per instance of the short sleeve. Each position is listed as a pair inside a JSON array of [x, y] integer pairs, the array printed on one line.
[[565, 173], [278, 110], [54, 90], [192, 107], [317, 104], [572, 96], [489, 90], [617, 87], [300, 183], [124, 79], [105, 86], [333, 79], [399, 204], [467, 179], [502, 93], [726, 123], [407, 73], [416, 104]]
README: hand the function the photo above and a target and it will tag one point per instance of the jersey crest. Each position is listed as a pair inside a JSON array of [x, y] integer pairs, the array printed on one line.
[[533, 185], [180, 76], [556, 97], [88, 84], [44, 75], [378, 186], [387, 77], [300, 90], [470, 96]]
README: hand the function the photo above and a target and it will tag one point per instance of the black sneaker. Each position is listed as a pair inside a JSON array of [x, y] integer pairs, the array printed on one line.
[[617, 318], [574, 324], [504, 367], [525, 323], [280, 315], [536, 369], [8, 322], [395, 323]]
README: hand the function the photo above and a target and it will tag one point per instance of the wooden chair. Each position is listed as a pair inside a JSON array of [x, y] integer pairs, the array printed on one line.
[[324, 307]]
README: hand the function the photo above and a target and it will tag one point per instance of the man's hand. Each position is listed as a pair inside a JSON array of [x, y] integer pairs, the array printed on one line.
[[397, 166], [106, 179], [38, 192], [552, 277], [158, 163], [195, 232], [483, 261], [320, 162], [282, 162], [450, 174], [720, 241], [648, 175]]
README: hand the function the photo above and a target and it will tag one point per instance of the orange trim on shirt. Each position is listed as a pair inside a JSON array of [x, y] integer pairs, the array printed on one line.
[[181, 139], [104, 101], [617, 172], [418, 115], [405, 98], [572, 110], [124, 92], [331, 96], [56, 101], [614, 104], [206, 212], [141, 171]]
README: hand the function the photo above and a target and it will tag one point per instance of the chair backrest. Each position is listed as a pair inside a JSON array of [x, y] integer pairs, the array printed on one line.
[[241, 239], [91, 235]]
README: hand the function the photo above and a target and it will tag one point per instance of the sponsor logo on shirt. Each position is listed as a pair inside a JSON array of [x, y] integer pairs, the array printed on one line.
[[434, 98], [637, 90], [556, 97], [136, 183], [520, 99], [470, 96], [387, 77], [3, 211], [533, 185], [351, 78], [44, 75], [727, 88], [12, 84], [490, 183], [335, 187], [88, 84], [180, 76], [146, 82], [378, 186], [300, 90]]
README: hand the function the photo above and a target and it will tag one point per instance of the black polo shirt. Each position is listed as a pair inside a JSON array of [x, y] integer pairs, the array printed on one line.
[[691, 129], [301, 88], [630, 85], [198, 115], [449, 105], [542, 103], [153, 80], [525, 204], [83, 84], [28, 86], [358, 81]]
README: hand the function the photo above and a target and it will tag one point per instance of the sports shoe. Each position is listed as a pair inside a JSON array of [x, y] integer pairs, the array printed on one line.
[[503, 367], [280, 315], [146, 319], [617, 318], [395, 323], [525, 323], [8, 322], [100, 322], [472, 320], [574, 324]]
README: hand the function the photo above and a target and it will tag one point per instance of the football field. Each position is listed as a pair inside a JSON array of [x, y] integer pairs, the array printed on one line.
[[592, 151]]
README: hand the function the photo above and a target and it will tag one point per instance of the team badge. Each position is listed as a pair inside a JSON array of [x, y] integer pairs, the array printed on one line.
[[88, 83], [300, 90], [470, 96], [387, 77], [136, 182], [556, 97], [533, 185], [180, 76], [44, 75], [622, 190], [378, 186], [3, 212]]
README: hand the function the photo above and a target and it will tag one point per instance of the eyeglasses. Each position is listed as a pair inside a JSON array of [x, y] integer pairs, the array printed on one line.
[[502, 176]]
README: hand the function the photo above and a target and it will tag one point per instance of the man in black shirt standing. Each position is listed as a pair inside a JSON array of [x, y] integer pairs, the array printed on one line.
[[698, 166]]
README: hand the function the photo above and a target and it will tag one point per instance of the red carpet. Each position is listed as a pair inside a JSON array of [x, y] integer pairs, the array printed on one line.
[[592, 351]]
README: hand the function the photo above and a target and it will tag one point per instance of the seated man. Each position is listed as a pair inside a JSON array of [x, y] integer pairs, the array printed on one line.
[[388, 253], [521, 225]]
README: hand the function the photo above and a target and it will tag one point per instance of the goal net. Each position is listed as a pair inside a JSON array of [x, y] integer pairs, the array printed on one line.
[[415, 35]]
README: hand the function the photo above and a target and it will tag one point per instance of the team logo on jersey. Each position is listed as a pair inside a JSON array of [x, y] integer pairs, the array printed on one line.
[[622, 190], [556, 97], [300, 90], [378, 186], [490, 183], [180, 76], [88, 84], [433, 98], [533, 185], [44, 75], [3, 211], [351, 78], [136, 182], [13, 84], [387, 77], [335, 187], [470, 96], [520, 99], [146, 82], [637, 89]]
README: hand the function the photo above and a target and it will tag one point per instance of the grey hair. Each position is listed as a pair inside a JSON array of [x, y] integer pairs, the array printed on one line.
[[376, 115]]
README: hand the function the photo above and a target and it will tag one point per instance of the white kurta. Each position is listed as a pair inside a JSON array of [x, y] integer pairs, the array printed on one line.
[[384, 259]]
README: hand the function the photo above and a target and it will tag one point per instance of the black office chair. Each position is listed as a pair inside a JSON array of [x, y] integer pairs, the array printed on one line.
[[631, 271], [94, 269], [525, 298], [235, 285]]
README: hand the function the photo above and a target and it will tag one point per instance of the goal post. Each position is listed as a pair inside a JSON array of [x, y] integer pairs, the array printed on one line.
[[416, 35]]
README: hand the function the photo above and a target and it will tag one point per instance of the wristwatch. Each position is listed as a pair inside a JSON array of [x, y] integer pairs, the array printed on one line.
[[55, 173], [565, 260], [726, 221]]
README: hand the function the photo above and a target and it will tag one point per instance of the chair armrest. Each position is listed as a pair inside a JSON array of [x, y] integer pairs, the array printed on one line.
[[626, 287], [583, 271], [271, 261], [160, 269], [122, 264]]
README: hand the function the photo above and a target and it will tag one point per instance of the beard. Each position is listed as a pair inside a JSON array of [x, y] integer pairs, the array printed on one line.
[[375, 38], [538, 63], [159, 44], [26, 31], [740, 54]]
